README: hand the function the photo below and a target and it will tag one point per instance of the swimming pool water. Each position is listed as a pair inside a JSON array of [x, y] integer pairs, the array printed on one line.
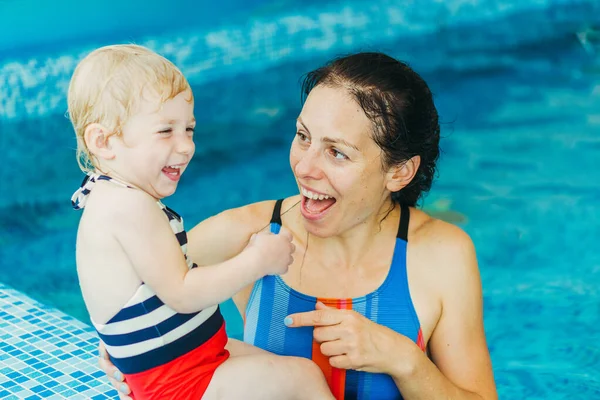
[[519, 173]]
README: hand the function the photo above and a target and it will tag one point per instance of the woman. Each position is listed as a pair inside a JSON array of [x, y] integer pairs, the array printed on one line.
[[384, 298]]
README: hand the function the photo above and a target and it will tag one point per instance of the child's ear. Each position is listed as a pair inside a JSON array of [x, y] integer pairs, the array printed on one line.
[[400, 175], [96, 140]]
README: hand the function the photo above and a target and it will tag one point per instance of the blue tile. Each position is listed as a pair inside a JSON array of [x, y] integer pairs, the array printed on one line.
[[50, 384], [46, 393], [34, 375], [65, 356], [55, 374], [8, 384], [36, 352], [100, 397], [22, 379], [38, 389], [82, 388], [13, 375], [34, 397], [94, 383], [48, 370], [85, 378], [77, 374], [4, 393], [72, 384]]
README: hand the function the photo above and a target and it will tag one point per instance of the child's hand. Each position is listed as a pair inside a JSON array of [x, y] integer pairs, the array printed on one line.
[[274, 251]]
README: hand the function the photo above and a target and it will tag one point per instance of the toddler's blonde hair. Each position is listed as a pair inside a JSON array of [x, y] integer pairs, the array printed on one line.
[[107, 85]]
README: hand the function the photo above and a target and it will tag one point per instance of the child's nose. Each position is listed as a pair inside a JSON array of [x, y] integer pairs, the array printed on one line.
[[185, 145]]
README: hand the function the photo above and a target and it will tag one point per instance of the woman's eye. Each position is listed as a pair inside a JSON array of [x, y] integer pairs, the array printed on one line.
[[302, 137], [338, 155]]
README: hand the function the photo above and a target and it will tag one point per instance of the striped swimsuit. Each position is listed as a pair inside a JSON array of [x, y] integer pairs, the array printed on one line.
[[163, 354], [390, 305]]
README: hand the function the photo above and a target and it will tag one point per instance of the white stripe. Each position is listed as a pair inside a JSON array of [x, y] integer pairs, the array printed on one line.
[[189, 262], [151, 344], [143, 293], [176, 226], [252, 311], [135, 324]]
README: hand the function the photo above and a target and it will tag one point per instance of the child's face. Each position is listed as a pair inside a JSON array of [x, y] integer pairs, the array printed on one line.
[[156, 145]]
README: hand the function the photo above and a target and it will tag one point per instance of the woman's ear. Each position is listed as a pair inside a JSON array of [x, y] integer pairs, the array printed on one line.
[[96, 140], [399, 176]]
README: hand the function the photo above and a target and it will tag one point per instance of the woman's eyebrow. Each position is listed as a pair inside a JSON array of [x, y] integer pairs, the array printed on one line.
[[339, 141], [299, 120], [330, 140]]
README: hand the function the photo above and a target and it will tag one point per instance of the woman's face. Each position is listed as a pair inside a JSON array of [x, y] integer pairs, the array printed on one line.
[[336, 163]]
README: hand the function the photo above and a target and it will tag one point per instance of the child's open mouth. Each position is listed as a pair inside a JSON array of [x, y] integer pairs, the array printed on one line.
[[172, 172]]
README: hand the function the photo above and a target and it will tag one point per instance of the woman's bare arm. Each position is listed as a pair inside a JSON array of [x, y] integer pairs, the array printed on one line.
[[460, 366]]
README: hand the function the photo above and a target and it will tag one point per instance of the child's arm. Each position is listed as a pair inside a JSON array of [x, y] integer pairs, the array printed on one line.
[[144, 233]]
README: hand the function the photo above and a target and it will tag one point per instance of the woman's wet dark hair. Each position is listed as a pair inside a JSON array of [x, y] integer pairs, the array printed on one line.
[[400, 105]]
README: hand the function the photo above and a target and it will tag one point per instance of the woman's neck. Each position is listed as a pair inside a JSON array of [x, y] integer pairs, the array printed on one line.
[[348, 248]]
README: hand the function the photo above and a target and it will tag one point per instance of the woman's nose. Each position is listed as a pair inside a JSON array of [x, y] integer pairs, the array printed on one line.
[[309, 165]]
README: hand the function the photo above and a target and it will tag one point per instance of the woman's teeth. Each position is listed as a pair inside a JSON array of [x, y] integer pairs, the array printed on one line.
[[314, 196]]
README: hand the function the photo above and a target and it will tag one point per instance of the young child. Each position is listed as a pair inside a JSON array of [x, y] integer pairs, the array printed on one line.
[[158, 315]]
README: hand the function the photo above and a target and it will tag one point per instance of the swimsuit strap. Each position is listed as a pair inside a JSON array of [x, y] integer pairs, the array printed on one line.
[[80, 196], [404, 221], [276, 217]]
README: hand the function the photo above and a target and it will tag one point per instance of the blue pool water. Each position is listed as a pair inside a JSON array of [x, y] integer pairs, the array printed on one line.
[[519, 98]]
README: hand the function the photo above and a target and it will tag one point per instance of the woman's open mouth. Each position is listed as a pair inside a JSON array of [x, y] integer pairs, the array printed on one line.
[[314, 205]]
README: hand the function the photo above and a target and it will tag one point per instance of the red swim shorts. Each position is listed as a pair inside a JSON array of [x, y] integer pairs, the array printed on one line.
[[186, 377]]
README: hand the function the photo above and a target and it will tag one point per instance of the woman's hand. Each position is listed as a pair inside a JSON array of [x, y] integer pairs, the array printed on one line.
[[352, 341], [114, 375]]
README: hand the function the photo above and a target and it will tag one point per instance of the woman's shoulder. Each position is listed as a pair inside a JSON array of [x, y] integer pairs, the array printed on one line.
[[254, 216], [224, 235], [429, 230], [441, 245]]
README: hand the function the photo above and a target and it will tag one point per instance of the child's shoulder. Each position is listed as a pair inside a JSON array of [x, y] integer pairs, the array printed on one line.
[[117, 204]]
